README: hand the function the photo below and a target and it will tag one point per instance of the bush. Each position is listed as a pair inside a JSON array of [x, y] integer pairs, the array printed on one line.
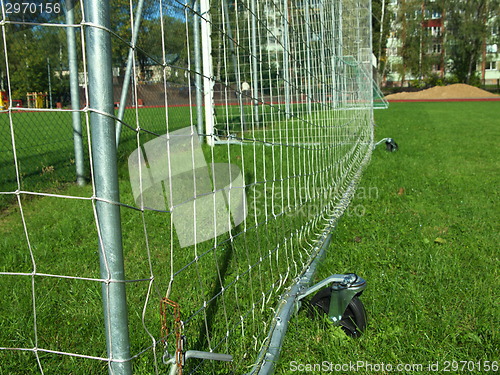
[[434, 80], [417, 83]]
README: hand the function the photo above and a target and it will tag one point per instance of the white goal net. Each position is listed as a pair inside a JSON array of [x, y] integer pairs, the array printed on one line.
[[217, 143]]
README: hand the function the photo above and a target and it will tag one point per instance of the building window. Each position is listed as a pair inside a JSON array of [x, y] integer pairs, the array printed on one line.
[[491, 65], [148, 74], [492, 48], [436, 14], [434, 31], [436, 48]]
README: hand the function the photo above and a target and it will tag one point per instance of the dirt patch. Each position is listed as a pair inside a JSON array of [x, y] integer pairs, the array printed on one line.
[[457, 91]]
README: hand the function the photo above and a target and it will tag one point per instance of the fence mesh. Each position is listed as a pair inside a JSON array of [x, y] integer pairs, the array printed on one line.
[[244, 129]]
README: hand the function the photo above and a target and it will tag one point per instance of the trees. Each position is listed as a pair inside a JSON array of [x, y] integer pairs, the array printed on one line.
[[466, 30], [30, 51], [469, 25], [414, 40], [442, 36], [150, 39], [381, 20], [30, 47]]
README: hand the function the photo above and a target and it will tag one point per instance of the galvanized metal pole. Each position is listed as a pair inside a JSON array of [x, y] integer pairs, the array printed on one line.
[[197, 67], [369, 67], [50, 82], [236, 66], [286, 60], [308, 62], [255, 62], [343, 67], [334, 58], [128, 71], [208, 75], [75, 94], [323, 56], [103, 137]]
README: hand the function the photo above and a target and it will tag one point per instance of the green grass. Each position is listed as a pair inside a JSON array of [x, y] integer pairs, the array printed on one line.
[[426, 300], [61, 239], [423, 231], [45, 149]]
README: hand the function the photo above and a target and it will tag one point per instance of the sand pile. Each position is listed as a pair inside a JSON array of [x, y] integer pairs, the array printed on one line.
[[457, 91]]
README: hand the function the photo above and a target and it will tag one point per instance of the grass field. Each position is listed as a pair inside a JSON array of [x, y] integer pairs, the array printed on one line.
[[45, 149], [236, 279], [423, 231]]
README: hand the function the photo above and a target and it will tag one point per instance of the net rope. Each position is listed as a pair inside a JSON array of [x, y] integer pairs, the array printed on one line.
[[223, 231]]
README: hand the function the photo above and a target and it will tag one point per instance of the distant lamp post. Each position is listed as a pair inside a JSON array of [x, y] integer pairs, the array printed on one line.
[[50, 83]]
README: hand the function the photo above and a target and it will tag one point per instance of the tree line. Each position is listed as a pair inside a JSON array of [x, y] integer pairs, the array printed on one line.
[[38, 54], [457, 47], [34, 56]]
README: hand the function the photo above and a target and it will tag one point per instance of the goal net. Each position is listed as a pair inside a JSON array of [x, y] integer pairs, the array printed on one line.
[[220, 142]]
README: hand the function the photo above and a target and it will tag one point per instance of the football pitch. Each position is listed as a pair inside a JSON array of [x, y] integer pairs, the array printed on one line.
[[422, 230]]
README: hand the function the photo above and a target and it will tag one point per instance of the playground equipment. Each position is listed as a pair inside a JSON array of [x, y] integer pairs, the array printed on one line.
[[4, 100], [37, 100]]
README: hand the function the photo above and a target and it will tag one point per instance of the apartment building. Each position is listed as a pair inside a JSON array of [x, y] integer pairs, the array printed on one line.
[[424, 24]]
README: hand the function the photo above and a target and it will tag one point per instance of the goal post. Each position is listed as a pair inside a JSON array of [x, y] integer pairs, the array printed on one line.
[[105, 184], [208, 73], [75, 93]]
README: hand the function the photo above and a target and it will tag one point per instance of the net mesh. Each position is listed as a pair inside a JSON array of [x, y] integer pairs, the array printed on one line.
[[243, 130]]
